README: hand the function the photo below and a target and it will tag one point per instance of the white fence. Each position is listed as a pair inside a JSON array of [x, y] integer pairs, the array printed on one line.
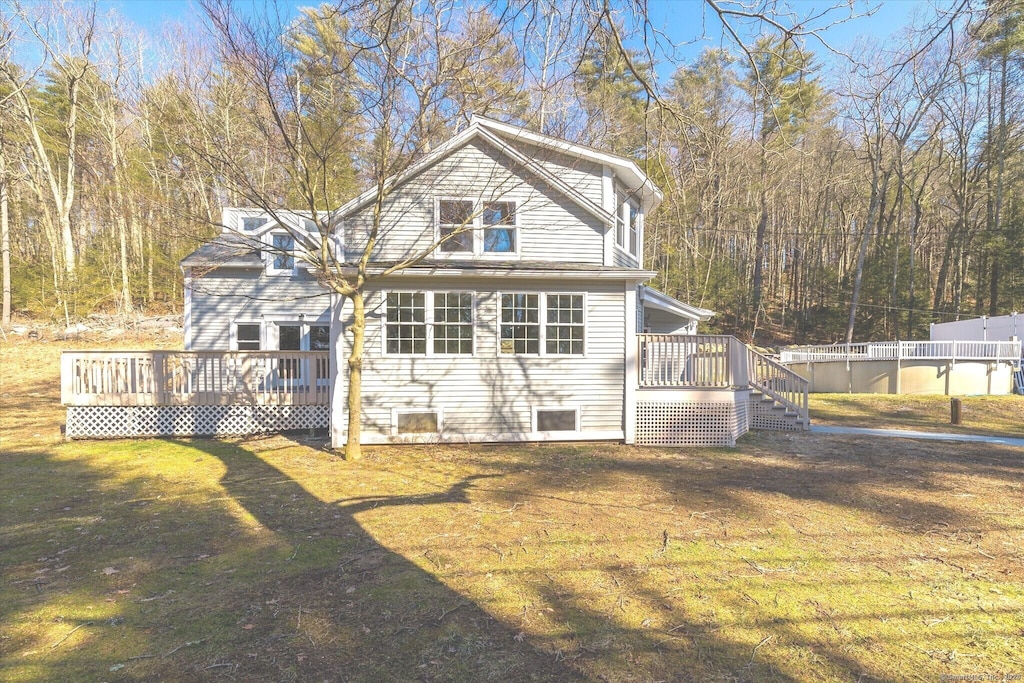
[[904, 350]]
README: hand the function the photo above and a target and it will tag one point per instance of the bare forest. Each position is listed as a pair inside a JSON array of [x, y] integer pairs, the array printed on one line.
[[814, 192]]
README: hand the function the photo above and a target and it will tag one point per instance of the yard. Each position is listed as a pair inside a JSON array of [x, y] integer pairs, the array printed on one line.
[[792, 557]]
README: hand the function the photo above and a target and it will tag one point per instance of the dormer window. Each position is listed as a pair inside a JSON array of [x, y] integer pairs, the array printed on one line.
[[282, 253], [499, 219], [251, 223], [467, 228], [455, 225]]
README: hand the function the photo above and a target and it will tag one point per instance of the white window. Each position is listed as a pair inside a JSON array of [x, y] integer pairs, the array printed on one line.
[[453, 323], [499, 220], [406, 323], [297, 335], [429, 323], [250, 223], [247, 337], [466, 228], [520, 323], [561, 334], [627, 224], [455, 225], [634, 229], [564, 329], [282, 253]]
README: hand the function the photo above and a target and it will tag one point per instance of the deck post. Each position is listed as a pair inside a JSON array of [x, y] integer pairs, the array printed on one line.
[[631, 361], [160, 377], [67, 377]]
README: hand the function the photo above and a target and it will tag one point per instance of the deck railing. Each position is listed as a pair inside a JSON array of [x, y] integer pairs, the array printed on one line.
[[703, 361], [780, 383], [686, 360], [904, 350], [147, 378]]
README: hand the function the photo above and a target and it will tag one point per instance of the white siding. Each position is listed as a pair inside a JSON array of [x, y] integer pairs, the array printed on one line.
[[492, 393], [227, 295], [551, 226], [584, 176], [623, 259]]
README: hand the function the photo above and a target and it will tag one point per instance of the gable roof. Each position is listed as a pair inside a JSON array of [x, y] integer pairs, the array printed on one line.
[[625, 169], [502, 137]]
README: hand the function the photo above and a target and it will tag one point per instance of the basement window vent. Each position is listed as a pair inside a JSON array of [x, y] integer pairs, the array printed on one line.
[[557, 420], [418, 422]]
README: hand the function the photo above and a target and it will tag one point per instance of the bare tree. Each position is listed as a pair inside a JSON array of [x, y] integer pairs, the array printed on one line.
[[397, 73], [65, 35]]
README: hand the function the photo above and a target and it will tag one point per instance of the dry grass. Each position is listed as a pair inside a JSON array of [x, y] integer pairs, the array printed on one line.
[[992, 415], [791, 557]]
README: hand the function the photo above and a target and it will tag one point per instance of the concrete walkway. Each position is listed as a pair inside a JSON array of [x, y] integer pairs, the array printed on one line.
[[904, 434]]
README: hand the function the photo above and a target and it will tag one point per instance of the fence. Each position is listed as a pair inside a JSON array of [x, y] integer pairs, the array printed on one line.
[[904, 350]]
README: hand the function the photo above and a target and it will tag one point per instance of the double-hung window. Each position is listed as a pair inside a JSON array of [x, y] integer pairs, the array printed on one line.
[[455, 225], [627, 224], [499, 219], [465, 227], [282, 252], [453, 323], [406, 323], [429, 323], [520, 323], [562, 332], [247, 336]]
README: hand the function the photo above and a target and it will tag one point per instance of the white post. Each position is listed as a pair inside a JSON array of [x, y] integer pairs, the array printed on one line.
[[338, 380], [630, 374]]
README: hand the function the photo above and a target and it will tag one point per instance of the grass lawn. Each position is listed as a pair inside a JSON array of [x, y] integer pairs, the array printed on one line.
[[993, 415], [793, 557]]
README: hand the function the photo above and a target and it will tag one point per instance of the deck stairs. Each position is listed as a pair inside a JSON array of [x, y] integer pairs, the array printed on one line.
[[778, 396]]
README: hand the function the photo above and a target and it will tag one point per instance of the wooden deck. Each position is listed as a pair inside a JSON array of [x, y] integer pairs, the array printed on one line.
[[194, 378]]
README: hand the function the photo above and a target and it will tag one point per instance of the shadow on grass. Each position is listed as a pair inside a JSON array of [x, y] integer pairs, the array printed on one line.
[[261, 578]]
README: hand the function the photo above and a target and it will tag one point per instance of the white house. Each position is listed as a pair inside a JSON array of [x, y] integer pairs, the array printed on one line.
[[526, 319]]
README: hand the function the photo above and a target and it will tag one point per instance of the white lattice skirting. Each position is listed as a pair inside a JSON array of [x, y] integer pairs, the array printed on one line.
[[104, 422], [705, 423], [763, 415]]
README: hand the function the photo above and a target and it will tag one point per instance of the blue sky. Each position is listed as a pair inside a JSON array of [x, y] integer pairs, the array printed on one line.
[[680, 20]]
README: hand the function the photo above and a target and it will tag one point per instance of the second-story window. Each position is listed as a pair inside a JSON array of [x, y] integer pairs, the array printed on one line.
[[455, 225], [499, 219], [627, 225], [250, 223], [634, 230], [282, 255]]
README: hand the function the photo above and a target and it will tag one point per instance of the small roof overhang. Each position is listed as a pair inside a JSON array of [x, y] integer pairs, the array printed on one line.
[[652, 298]]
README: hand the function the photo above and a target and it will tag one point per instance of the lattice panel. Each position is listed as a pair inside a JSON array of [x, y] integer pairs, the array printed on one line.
[[100, 422], [764, 416], [689, 424]]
